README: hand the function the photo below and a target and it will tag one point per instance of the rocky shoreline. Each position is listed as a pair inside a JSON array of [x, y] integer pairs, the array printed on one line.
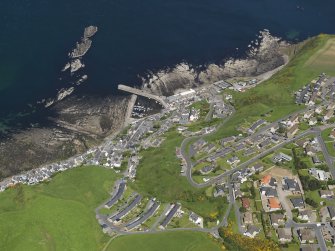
[[82, 122], [264, 55]]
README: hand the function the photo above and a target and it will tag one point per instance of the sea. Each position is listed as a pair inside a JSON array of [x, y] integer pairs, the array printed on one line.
[[135, 37]]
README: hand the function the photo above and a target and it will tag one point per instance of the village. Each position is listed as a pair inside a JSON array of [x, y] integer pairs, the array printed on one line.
[[277, 176]]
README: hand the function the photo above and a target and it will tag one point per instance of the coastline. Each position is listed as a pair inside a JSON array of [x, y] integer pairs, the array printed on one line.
[[82, 126]]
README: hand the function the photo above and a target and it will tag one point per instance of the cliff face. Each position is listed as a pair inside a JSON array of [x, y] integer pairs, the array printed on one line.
[[78, 124], [264, 55]]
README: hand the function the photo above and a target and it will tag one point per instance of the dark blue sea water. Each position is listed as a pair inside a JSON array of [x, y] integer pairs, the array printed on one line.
[[134, 36]]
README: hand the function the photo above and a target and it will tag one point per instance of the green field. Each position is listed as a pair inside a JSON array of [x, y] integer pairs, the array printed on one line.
[[176, 241], [276, 95], [329, 142], [158, 175], [58, 215]]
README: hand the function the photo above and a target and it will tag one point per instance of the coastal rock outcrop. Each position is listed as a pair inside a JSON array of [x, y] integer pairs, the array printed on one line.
[[264, 55]]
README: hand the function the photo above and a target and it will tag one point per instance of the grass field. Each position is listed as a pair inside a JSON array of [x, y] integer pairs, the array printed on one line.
[[58, 215], [275, 96], [177, 241], [329, 142], [158, 175]]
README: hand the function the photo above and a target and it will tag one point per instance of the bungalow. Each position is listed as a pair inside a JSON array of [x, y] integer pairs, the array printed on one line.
[[209, 148], [247, 218], [312, 121], [292, 131], [265, 143], [290, 185], [245, 202], [331, 211], [237, 191], [293, 120], [196, 219], [308, 114], [252, 231], [274, 204], [298, 202], [268, 181], [257, 167], [326, 194], [329, 115], [332, 134], [269, 192], [281, 157], [306, 235], [277, 219], [284, 235], [200, 143], [219, 191], [249, 151], [228, 140], [309, 150], [206, 169], [233, 160], [316, 160], [319, 174], [240, 147], [319, 109], [305, 215], [257, 124]]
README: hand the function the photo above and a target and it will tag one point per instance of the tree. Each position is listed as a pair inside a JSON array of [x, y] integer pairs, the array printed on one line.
[[243, 210]]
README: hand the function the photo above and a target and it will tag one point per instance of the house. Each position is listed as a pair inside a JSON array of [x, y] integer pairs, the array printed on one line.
[[284, 235], [331, 211], [196, 219], [268, 191], [290, 185], [294, 119], [228, 140], [318, 110], [200, 143], [326, 234], [268, 181], [240, 147], [305, 215], [309, 150], [329, 114], [316, 160], [306, 235], [252, 231], [326, 194], [257, 124], [247, 218], [277, 219], [274, 204], [308, 114], [265, 143], [332, 134], [257, 167], [298, 202], [319, 174], [206, 169], [233, 160], [219, 191], [292, 131], [245, 202], [312, 121], [281, 157], [237, 191]]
